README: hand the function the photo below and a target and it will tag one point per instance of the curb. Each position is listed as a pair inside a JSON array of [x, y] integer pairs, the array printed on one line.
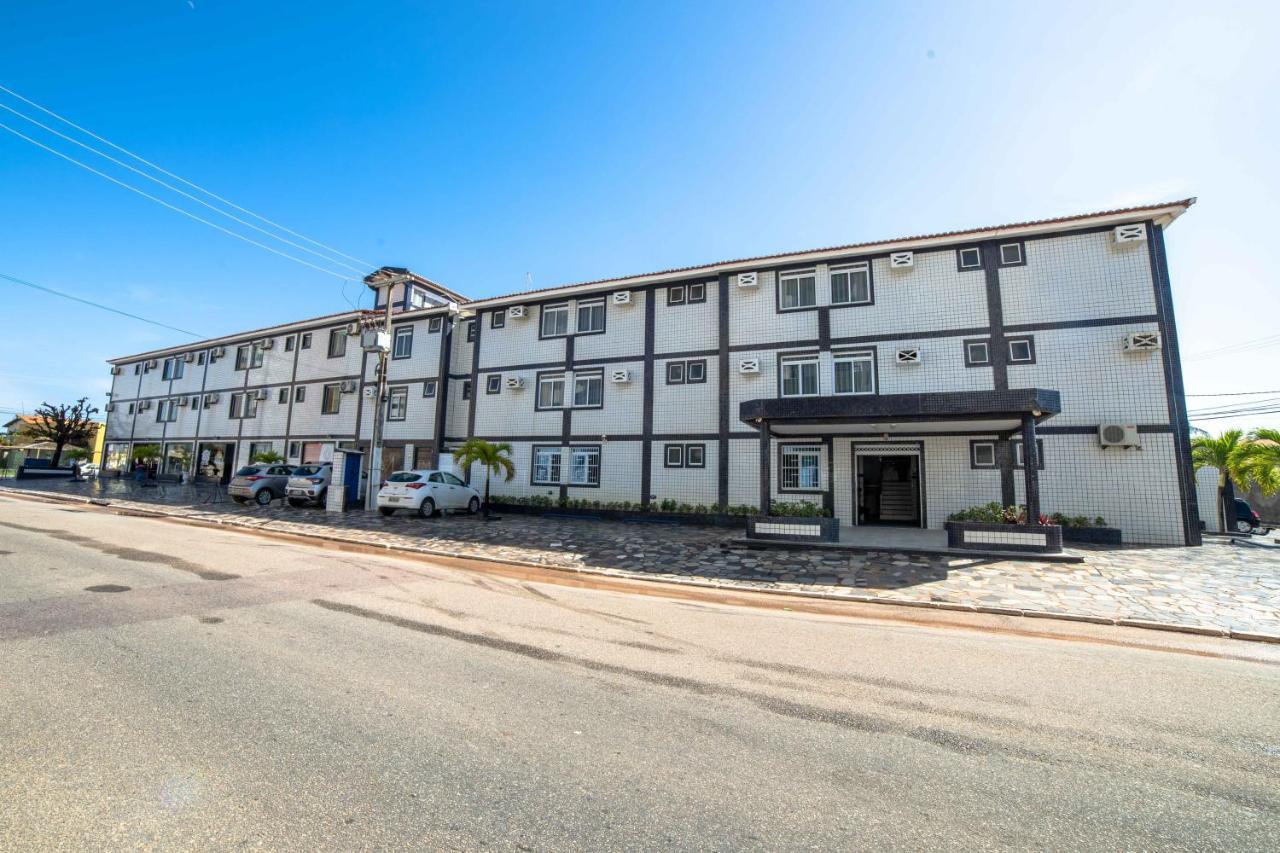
[[261, 528]]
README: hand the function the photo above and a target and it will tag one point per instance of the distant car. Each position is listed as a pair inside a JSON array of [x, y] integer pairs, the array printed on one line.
[[425, 492], [1248, 521], [260, 483], [89, 470], [309, 484]]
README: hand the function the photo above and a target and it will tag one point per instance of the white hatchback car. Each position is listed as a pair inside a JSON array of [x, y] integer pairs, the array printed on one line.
[[425, 492]]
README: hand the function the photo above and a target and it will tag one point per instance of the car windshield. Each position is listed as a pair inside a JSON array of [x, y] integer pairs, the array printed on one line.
[[307, 470], [403, 477], [247, 470]]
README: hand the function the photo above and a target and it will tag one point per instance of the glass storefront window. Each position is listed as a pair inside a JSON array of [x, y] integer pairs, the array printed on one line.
[[177, 457], [212, 461], [117, 456]]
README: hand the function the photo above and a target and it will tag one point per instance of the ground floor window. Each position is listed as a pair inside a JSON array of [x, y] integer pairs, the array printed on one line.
[[584, 466], [177, 457], [212, 460], [117, 456], [800, 467], [546, 465], [260, 448]]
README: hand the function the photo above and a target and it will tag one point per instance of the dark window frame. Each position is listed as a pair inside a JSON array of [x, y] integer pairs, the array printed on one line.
[[680, 289], [1030, 341], [305, 341], [667, 461], [542, 323], [300, 394], [587, 374], [783, 447], [1022, 253], [435, 325], [870, 353], [702, 454], [429, 387], [493, 383], [852, 266], [675, 372], [599, 466], [405, 332], [400, 391], [690, 298], [338, 336], [473, 331], [290, 342], [961, 266], [533, 465], [565, 391], [336, 396], [968, 358], [498, 319], [466, 389], [798, 272], [973, 454], [591, 303], [282, 395]]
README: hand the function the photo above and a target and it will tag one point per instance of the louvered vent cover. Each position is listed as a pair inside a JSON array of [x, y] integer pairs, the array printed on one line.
[[749, 365], [902, 260], [1131, 233], [911, 355]]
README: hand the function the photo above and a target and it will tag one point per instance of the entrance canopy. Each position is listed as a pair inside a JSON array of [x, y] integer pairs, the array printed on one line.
[[876, 414]]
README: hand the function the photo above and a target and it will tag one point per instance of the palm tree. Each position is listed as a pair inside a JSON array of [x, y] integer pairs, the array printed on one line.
[[1258, 460], [1223, 453], [494, 458]]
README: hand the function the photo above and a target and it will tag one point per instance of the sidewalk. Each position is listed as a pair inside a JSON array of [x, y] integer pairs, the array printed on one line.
[[1220, 588]]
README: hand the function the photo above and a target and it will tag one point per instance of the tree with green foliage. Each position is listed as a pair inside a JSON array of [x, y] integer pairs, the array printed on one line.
[[146, 453], [1226, 453], [1258, 461], [494, 458]]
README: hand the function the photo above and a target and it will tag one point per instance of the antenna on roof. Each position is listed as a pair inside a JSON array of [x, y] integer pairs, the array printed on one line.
[[528, 281]]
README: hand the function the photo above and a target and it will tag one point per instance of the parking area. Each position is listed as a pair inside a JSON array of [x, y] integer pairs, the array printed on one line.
[[1220, 586]]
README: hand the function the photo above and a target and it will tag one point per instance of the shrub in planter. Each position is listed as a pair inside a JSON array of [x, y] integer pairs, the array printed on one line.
[[798, 509]]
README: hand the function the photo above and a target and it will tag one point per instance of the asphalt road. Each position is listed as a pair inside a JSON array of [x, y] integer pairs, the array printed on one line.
[[221, 690]]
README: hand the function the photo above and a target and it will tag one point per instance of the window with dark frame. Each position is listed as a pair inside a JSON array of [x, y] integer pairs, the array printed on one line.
[[1010, 254], [434, 325], [675, 372], [1021, 351], [697, 293], [282, 396], [466, 389], [200, 357], [800, 377], [289, 343], [551, 391], [977, 353], [673, 456], [331, 399], [553, 320], [982, 454], [471, 331], [969, 258], [695, 371], [801, 468], [854, 372], [695, 456], [429, 388], [546, 466], [498, 319], [305, 342], [676, 294], [590, 317], [397, 402], [493, 383], [337, 343], [798, 289], [300, 394], [403, 345], [584, 466], [588, 390], [851, 285]]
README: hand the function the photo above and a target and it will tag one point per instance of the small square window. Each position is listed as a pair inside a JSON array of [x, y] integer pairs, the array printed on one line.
[[435, 324], [300, 394], [200, 358], [137, 368], [498, 319], [695, 456], [305, 342], [695, 371], [466, 389], [1010, 254], [131, 408], [697, 293], [289, 343], [429, 388], [471, 331], [982, 454], [970, 258], [674, 456], [676, 295], [977, 353], [1022, 351], [675, 372], [493, 383], [282, 396]]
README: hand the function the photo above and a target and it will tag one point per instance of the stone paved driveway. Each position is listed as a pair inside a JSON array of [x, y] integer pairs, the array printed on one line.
[[1221, 586]]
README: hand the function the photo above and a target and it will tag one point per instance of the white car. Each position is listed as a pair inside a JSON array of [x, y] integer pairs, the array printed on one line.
[[425, 492]]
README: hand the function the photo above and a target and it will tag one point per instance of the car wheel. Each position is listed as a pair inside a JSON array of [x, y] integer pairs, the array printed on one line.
[[427, 508], [474, 506], [387, 510], [323, 498], [297, 502], [239, 499], [263, 497], [1243, 526]]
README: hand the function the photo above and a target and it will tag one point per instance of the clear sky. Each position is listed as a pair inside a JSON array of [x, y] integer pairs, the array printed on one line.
[[477, 144]]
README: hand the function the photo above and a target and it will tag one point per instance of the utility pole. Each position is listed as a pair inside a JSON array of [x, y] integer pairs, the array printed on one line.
[[380, 342]]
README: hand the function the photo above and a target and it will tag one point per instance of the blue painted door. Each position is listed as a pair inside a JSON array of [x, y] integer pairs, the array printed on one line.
[[351, 478]]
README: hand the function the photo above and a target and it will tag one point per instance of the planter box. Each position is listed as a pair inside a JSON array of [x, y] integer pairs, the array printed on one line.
[[1092, 535], [27, 472], [789, 528], [984, 536], [592, 514]]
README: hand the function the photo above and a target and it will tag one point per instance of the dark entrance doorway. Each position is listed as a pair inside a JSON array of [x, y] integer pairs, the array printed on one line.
[[215, 461], [888, 489]]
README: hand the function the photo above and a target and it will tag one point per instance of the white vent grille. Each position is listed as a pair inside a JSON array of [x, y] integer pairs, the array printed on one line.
[[370, 391], [622, 297], [1118, 435], [748, 279], [1141, 341], [911, 355], [261, 393], [516, 311], [902, 260], [515, 383], [749, 365], [621, 375], [1135, 233]]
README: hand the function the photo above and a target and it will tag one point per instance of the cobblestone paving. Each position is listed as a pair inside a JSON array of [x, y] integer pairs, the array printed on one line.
[[1220, 586]]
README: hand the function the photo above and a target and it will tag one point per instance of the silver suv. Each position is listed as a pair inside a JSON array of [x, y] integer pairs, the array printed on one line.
[[259, 483], [309, 484]]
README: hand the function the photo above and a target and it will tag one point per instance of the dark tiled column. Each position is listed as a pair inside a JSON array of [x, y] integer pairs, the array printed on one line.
[[1031, 468], [765, 485]]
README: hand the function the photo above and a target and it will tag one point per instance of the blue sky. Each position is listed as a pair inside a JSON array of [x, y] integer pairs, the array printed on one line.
[[479, 144]]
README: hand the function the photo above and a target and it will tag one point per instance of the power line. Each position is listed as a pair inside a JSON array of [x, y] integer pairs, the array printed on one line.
[[1236, 349], [1234, 394], [35, 286], [173, 207], [180, 192], [179, 178], [1247, 414]]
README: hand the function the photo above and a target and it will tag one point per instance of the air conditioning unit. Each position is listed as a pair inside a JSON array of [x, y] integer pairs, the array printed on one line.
[[1141, 341], [902, 260], [211, 398], [217, 352], [111, 407], [1118, 435], [370, 391], [748, 279], [910, 355], [622, 297], [268, 343], [261, 394], [189, 357], [183, 402], [353, 329], [515, 383], [621, 375], [116, 371], [749, 365], [143, 405], [1134, 233], [517, 311], [151, 364], [349, 386]]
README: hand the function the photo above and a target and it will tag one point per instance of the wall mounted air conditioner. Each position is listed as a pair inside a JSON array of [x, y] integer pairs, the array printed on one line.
[[111, 407], [515, 383], [622, 297], [1134, 233], [749, 365], [1119, 435], [151, 364], [909, 355], [349, 386], [116, 371], [902, 260], [1141, 341], [217, 352], [517, 312], [183, 402], [261, 394], [748, 279], [353, 329], [189, 357], [211, 398], [268, 343], [621, 375], [143, 405]]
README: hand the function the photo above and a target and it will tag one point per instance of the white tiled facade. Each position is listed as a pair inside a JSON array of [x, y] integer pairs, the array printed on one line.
[[677, 342]]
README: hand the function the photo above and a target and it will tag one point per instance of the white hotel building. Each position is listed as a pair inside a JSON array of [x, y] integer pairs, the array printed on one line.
[[892, 382]]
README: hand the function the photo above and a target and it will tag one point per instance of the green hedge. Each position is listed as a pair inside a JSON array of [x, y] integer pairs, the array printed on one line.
[[997, 513]]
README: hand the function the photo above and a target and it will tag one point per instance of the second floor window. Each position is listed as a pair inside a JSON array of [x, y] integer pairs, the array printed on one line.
[[554, 321], [397, 403], [332, 399], [244, 405], [590, 316], [588, 390], [851, 285], [248, 355], [172, 368], [337, 343], [404, 342], [166, 411], [855, 373], [551, 392], [800, 377], [798, 290]]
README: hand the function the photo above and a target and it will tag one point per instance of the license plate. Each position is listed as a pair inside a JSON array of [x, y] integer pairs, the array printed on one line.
[[391, 499]]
